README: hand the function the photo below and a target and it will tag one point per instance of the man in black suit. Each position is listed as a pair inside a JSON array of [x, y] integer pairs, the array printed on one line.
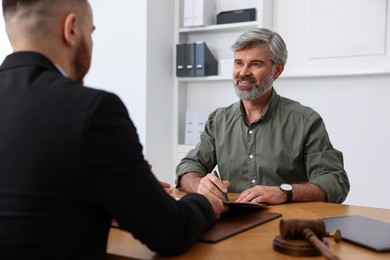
[[70, 157]]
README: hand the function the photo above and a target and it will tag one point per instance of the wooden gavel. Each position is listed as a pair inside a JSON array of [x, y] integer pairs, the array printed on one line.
[[311, 230]]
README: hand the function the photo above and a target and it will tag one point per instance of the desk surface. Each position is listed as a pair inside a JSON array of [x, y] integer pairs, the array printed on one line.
[[256, 243]]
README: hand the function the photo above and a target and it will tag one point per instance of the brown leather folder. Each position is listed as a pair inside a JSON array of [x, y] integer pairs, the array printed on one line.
[[363, 231], [237, 220]]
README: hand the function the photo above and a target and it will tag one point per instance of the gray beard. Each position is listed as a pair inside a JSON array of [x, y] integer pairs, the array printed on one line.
[[256, 92]]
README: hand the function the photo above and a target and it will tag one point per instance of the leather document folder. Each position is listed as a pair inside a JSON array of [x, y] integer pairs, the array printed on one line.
[[245, 205], [237, 220], [363, 231]]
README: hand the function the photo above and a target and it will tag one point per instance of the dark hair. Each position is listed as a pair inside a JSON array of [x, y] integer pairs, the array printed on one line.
[[263, 37], [12, 5]]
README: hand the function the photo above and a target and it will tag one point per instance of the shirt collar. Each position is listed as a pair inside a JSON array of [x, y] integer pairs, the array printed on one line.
[[61, 70], [265, 110]]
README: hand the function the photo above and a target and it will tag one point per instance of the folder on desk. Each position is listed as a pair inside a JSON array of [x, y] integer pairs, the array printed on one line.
[[205, 63], [367, 232], [237, 220], [245, 205]]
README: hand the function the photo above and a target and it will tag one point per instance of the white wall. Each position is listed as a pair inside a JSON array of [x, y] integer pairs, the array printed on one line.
[[118, 61], [133, 58], [159, 103], [354, 108]]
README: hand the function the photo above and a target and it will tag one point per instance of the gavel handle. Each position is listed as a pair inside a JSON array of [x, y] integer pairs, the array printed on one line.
[[325, 251]]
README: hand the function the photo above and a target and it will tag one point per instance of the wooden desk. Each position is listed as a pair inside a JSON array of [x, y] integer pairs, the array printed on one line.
[[256, 243]]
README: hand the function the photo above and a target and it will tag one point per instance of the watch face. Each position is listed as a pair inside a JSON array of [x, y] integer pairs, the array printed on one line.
[[286, 187]]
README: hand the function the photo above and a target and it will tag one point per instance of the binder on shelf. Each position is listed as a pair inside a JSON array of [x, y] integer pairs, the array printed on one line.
[[195, 59], [199, 13], [188, 12], [190, 60], [180, 59], [205, 63]]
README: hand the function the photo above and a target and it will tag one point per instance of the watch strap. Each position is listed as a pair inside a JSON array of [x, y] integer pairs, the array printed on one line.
[[289, 196]]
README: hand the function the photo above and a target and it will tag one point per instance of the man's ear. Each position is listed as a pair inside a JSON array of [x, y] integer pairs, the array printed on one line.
[[70, 29], [278, 70]]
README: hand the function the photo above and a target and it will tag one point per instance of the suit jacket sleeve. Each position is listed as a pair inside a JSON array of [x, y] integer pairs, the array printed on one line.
[[117, 179]]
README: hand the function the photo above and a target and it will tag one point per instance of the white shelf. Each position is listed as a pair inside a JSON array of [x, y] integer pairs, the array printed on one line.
[[204, 78], [220, 27], [356, 73]]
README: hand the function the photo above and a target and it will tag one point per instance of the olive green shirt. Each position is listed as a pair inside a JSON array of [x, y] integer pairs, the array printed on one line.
[[289, 144]]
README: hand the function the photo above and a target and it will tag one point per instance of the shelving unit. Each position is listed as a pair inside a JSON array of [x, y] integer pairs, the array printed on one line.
[[220, 27], [211, 92], [207, 78]]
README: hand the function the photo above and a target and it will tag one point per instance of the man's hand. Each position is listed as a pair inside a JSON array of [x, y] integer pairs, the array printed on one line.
[[213, 188], [210, 186], [197, 183], [166, 186], [218, 204], [274, 195], [211, 183], [263, 194]]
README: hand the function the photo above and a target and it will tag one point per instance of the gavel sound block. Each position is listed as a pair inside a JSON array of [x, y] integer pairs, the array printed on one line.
[[304, 237]]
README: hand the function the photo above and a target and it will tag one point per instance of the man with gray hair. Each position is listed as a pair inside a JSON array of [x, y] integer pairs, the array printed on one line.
[[268, 148]]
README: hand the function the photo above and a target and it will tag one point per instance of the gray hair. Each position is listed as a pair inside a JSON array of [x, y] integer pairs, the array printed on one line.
[[263, 37]]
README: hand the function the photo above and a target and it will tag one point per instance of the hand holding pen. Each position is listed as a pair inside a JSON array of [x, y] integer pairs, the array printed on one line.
[[216, 173]]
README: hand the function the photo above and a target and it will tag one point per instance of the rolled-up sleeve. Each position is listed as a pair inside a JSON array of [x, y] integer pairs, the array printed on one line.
[[324, 164]]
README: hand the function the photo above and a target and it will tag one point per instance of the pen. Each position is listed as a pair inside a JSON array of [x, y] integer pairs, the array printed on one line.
[[219, 177]]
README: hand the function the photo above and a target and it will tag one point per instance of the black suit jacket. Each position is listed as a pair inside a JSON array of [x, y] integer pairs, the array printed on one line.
[[70, 162]]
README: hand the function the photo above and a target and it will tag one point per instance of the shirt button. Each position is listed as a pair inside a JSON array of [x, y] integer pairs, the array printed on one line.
[[250, 132], [253, 181], [251, 156]]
